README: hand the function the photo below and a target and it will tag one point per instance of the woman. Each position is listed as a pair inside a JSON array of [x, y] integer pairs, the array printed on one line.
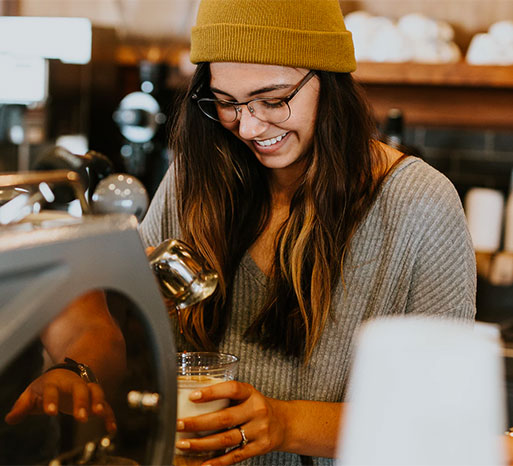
[[312, 225]]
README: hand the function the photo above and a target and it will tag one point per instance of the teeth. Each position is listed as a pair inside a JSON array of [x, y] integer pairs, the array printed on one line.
[[270, 142]]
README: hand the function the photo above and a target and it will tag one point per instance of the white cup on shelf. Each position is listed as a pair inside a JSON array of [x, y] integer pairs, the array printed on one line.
[[484, 209]]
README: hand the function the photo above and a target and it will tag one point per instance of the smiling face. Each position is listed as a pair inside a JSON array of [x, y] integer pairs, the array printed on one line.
[[276, 146]]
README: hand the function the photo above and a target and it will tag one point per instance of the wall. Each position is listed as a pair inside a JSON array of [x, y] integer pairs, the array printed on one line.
[[149, 19], [468, 157]]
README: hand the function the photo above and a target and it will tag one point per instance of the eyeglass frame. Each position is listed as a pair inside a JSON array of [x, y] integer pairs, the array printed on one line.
[[237, 105]]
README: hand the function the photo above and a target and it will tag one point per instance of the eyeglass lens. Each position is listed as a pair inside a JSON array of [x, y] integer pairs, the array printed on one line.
[[270, 110]]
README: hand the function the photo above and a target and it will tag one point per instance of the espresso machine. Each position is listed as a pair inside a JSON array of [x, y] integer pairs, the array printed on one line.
[[43, 269], [49, 258]]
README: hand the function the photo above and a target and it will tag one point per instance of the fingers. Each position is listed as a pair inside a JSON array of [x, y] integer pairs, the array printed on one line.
[[233, 390], [237, 455], [89, 399], [222, 419], [51, 399], [227, 439], [110, 420], [101, 408], [254, 415], [81, 403], [217, 420], [24, 406], [65, 392], [230, 440], [97, 399], [225, 418]]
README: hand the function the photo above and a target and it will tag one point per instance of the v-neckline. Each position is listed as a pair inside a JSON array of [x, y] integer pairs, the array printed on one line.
[[256, 272]]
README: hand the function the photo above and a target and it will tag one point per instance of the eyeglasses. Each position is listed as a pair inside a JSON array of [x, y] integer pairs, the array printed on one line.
[[269, 109]]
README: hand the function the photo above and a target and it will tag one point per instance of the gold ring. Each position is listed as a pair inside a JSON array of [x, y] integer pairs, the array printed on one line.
[[244, 440]]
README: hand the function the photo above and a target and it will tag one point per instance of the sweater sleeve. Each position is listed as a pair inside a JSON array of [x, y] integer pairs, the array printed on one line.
[[444, 274]]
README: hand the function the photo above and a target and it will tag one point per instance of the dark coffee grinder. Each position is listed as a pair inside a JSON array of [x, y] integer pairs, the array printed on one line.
[[142, 119]]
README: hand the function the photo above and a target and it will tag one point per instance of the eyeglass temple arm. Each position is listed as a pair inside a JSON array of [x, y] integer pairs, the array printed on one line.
[[195, 93], [307, 78]]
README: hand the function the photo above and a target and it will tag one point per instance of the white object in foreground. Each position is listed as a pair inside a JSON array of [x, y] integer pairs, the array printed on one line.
[[425, 392]]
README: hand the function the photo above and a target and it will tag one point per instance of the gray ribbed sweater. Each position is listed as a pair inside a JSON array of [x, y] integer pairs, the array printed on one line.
[[411, 254]]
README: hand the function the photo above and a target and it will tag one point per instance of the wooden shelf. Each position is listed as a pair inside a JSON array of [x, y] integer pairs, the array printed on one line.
[[459, 95], [455, 74]]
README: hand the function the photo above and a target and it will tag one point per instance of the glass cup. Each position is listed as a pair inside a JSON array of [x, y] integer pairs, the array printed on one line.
[[196, 370]]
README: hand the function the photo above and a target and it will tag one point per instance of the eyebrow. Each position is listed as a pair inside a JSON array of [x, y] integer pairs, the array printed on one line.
[[262, 90]]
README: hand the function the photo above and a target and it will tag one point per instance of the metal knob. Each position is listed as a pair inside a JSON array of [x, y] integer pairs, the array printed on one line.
[[145, 401]]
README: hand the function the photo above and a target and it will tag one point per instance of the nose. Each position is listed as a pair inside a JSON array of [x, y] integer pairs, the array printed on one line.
[[249, 125]]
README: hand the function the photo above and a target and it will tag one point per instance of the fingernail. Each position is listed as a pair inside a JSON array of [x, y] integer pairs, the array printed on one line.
[[99, 408], [51, 408], [112, 427], [82, 414], [180, 425], [195, 396], [183, 444]]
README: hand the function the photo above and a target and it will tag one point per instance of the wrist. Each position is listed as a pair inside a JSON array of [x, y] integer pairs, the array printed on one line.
[[82, 370], [311, 428], [283, 414]]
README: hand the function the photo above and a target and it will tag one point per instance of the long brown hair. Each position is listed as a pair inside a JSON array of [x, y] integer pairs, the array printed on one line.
[[224, 202]]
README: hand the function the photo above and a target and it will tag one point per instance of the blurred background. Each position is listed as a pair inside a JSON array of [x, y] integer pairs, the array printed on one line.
[[439, 79]]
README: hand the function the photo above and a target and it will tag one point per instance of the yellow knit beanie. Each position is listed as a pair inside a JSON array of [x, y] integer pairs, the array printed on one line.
[[298, 33]]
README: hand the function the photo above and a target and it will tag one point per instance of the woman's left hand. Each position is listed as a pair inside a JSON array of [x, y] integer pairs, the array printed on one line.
[[61, 390], [261, 418]]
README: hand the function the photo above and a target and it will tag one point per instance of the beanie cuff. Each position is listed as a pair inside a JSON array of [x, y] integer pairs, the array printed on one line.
[[315, 50]]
